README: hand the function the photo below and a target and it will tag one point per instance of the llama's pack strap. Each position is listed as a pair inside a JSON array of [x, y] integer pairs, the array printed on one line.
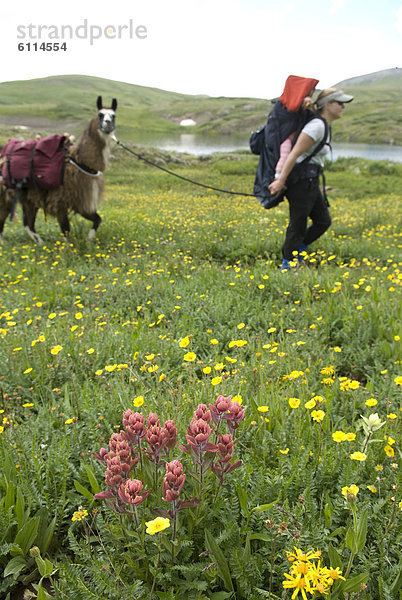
[[85, 169]]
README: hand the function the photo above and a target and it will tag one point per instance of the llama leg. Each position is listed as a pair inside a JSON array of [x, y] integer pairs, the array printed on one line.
[[96, 220], [4, 211], [2, 229], [64, 223], [3, 216], [29, 212]]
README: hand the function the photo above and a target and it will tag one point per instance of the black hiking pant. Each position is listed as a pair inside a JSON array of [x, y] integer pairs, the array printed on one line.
[[305, 200]]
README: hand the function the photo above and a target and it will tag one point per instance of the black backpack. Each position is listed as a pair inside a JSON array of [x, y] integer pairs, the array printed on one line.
[[266, 143]]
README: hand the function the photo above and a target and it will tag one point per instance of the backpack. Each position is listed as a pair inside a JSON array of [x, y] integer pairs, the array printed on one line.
[[34, 163], [267, 141], [256, 140], [287, 116]]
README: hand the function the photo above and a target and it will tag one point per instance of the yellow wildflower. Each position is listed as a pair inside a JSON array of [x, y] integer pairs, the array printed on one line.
[[157, 525], [350, 490], [317, 415], [361, 456], [339, 436], [389, 451], [55, 350], [79, 515], [310, 404], [294, 402]]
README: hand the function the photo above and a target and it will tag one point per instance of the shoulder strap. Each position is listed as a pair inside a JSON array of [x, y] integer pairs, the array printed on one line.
[[322, 143]]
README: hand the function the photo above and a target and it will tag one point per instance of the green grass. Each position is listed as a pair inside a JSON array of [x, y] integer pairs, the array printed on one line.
[[87, 327]]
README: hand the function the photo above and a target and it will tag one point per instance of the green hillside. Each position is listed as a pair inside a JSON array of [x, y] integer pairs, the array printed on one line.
[[375, 116], [66, 102]]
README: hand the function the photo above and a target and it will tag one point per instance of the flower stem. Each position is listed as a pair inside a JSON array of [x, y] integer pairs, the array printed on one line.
[[157, 566], [175, 517], [367, 441]]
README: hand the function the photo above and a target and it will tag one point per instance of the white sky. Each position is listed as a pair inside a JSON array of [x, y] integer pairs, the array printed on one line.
[[214, 47]]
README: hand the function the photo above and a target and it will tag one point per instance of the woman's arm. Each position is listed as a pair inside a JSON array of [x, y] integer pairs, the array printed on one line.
[[303, 144]]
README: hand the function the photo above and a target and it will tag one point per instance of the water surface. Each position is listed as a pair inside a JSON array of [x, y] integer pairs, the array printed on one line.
[[196, 143]]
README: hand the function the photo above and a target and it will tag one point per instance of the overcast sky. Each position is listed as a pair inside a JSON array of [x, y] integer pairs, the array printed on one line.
[[215, 47]]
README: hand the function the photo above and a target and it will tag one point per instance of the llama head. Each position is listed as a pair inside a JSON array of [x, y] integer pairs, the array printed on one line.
[[106, 116]]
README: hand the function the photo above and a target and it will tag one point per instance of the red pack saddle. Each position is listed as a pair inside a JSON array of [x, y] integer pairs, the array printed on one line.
[[34, 163]]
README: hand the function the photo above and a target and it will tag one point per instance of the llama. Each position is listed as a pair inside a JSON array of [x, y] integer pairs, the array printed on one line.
[[6, 202], [83, 184]]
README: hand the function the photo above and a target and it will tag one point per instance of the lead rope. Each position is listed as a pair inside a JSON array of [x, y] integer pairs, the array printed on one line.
[[208, 187]]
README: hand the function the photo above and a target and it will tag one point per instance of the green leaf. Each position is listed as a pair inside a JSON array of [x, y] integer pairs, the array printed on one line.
[[15, 566], [46, 538], [95, 487], [328, 511], [221, 563], [26, 536], [263, 507], [19, 508], [362, 531], [220, 595], [82, 490], [247, 551], [351, 540], [334, 557], [243, 499], [42, 594], [394, 589], [9, 499], [50, 569], [354, 584], [16, 550], [337, 531], [40, 563]]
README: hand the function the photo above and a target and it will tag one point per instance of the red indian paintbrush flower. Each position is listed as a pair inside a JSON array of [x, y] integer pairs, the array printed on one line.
[[130, 492], [173, 481], [157, 439], [198, 434], [223, 466], [134, 424], [227, 410], [225, 448], [170, 432], [152, 420], [202, 412]]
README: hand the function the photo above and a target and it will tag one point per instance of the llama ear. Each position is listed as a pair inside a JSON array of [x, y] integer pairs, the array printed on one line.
[[114, 104], [99, 103]]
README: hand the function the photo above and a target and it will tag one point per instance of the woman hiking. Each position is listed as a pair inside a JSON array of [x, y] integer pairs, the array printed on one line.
[[300, 178]]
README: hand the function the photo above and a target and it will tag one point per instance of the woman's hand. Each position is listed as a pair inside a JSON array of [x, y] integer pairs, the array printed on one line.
[[276, 187], [303, 144]]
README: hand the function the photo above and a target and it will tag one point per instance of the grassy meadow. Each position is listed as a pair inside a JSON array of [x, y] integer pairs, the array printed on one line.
[[178, 303]]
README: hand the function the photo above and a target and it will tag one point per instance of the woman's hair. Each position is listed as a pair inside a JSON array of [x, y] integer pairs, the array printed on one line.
[[323, 94]]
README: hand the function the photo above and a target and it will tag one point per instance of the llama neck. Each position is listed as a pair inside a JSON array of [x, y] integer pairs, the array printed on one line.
[[94, 147]]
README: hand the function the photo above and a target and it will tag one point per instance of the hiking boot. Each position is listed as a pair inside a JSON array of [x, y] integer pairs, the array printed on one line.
[[287, 265], [303, 249]]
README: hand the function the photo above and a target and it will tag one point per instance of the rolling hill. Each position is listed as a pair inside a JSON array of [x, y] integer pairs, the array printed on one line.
[[64, 103]]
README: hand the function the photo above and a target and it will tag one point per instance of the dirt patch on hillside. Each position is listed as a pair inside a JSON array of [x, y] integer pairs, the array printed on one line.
[[39, 123]]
